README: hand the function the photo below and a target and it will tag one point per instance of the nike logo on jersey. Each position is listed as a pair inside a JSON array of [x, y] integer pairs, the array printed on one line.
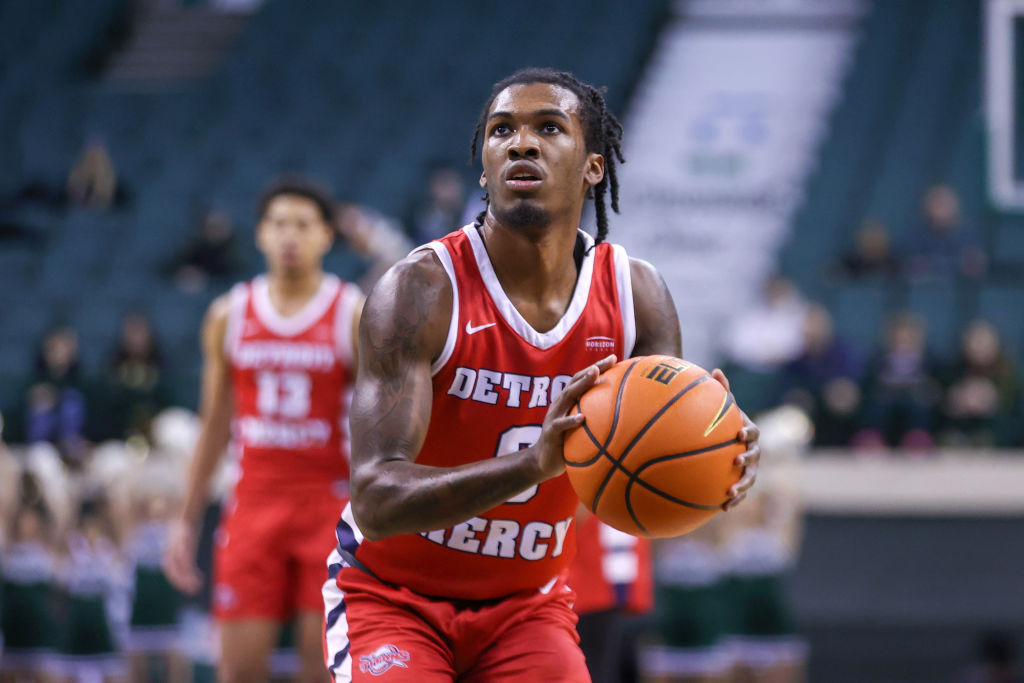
[[473, 330]]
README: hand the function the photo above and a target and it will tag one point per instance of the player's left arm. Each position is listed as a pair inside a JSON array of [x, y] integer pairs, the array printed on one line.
[[657, 332]]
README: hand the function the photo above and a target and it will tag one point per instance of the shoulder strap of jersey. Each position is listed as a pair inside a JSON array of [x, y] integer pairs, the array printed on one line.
[[443, 255], [344, 322], [239, 302], [624, 288]]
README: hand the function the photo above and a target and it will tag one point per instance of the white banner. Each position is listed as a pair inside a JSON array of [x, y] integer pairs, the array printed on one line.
[[722, 134]]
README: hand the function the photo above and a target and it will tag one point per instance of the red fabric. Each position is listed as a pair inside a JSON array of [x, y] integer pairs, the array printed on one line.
[[290, 391], [598, 575], [269, 560], [530, 636], [482, 408]]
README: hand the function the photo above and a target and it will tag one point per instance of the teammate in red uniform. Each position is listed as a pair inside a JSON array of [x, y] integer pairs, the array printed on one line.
[[613, 577], [279, 356], [451, 557]]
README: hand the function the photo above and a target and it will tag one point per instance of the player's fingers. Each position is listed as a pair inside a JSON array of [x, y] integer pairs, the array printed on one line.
[[182, 572], [733, 502], [564, 424], [718, 375], [191, 580], [582, 372], [745, 482], [749, 457], [577, 386], [606, 363], [750, 432]]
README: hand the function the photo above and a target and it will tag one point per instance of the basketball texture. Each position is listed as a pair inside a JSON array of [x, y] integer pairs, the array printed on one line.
[[655, 455]]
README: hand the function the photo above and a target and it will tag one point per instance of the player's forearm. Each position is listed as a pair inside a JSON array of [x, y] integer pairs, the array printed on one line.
[[402, 497], [209, 450]]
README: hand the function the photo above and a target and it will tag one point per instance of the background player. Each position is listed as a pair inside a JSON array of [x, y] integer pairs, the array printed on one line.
[[279, 355], [450, 561]]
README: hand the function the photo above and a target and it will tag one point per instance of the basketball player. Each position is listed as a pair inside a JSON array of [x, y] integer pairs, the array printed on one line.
[[278, 360], [451, 556]]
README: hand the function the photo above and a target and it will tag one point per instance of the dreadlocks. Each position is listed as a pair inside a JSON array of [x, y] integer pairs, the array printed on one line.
[[602, 133]]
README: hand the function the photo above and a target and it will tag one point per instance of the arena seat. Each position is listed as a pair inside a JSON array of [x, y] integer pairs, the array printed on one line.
[[370, 95], [910, 116]]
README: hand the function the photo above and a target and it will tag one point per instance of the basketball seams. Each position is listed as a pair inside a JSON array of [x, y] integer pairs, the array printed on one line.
[[603, 449], [617, 463], [635, 479]]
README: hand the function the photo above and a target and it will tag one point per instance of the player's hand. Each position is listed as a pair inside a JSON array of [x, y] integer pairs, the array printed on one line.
[[180, 558], [749, 459], [558, 421]]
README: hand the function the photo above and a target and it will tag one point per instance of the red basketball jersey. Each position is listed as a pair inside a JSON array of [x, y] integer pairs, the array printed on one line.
[[492, 386], [611, 569], [291, 378]]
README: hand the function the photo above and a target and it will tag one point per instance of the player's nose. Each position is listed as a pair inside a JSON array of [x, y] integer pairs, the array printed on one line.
[[523, 145]]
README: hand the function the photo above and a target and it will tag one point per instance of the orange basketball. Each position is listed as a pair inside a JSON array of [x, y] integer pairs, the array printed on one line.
[[655, 455]]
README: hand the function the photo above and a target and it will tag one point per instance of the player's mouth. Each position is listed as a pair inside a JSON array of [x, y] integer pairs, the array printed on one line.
[[523, 175]]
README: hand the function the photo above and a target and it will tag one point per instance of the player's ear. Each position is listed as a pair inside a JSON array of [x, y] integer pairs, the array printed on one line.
[[483, 180], [593, 172]]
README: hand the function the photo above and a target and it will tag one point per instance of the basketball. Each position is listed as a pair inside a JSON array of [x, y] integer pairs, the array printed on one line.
[[655, 455]]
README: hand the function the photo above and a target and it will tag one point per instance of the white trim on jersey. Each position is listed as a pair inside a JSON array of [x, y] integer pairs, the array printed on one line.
[[541, 340], [349, 518], [344, 319], [453, 325], [239, 299], [339, 658], [298, 323], [624, 286]]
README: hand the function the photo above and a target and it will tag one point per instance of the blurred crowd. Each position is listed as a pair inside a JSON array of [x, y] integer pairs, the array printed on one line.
[[60, 405], [82, 593], [903, 393]]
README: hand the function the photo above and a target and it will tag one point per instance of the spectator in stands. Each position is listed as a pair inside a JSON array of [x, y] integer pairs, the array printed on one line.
[[55, 400], [939, 248], [982, 391], [900, 389], [441, 211], [210, 255], [377, 238], [870, 255], [134, 388], [769, 333], [823, 380], [92, 183]]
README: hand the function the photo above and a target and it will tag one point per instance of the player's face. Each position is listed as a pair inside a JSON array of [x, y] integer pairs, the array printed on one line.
[[534, 153], [293, 235]]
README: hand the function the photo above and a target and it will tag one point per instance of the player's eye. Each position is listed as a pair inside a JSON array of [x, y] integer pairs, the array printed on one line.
[[500, 129], [551, 127]]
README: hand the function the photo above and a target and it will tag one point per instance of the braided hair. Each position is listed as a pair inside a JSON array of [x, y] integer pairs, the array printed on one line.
[[602, 133]]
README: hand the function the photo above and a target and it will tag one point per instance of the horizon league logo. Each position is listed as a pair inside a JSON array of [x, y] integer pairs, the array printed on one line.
[[382, 659]]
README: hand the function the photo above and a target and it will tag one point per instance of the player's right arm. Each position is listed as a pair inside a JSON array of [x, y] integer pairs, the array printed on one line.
[[216, 407], [403, 330]]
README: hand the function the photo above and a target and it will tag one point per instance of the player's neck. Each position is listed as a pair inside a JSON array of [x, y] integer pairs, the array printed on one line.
[[532, 262], [289, 292]]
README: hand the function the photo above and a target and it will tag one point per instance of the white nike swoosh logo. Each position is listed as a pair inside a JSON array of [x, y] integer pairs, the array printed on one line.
[[473, 330]]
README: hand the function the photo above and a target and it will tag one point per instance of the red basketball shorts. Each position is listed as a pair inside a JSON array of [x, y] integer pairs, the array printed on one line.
[[269, 554], [378, 632]]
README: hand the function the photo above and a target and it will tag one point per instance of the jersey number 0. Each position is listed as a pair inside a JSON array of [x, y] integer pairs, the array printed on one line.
[[516, 439]]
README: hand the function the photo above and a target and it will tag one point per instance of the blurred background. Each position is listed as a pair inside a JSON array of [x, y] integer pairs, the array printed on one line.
[[833, 190]]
